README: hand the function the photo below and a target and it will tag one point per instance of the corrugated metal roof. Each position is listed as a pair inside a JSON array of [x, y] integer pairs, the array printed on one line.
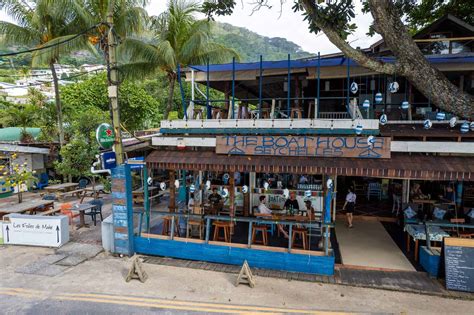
[[14, 133], [5, 147], [399, 166]]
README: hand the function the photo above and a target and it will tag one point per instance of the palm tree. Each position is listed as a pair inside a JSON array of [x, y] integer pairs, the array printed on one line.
[[41, 24], [180, 39], [130, 18]]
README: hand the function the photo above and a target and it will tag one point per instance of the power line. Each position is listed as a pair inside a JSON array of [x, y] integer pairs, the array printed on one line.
[[52, 45]]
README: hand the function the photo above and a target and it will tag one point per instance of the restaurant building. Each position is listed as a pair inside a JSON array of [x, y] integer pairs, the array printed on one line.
[[306, 130]]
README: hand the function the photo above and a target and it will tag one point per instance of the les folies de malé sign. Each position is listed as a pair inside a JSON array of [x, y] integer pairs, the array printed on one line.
[[317, 146]]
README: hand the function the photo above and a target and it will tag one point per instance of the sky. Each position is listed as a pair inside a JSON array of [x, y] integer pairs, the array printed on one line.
[[289, 25]]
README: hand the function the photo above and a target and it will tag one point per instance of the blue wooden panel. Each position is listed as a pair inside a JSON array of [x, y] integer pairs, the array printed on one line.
[[429, 261], [264, 131], [323, 265]]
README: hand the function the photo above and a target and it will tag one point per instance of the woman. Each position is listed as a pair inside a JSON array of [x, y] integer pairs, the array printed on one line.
[[349, 206]]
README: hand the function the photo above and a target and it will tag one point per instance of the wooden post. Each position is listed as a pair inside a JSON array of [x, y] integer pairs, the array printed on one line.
[[252, 184], [232, 196], [172, 204]]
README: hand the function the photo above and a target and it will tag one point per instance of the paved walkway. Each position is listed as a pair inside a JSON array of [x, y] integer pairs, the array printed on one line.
[[369, 245]]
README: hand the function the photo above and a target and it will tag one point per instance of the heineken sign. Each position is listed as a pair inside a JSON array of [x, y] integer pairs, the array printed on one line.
[[105, 136]]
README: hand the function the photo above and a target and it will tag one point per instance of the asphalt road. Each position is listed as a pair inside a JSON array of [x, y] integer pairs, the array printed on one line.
[[35, 302]]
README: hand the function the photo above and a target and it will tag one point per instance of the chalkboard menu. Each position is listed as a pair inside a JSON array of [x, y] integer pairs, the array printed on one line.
[[459, 264]]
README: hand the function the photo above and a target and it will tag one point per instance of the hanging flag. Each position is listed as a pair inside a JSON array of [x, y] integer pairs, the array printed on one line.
[[452, 122], [358, 129], [427, 124], [393, 87], [383, 119], [354, 87]]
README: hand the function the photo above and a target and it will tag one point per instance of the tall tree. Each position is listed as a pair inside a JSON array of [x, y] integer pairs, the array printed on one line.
[[334, 18], [181, 39], [47, 24]]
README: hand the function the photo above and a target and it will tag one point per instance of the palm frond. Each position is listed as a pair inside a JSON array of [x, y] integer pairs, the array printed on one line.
[[19, 11], [20, 35], [51, 54]]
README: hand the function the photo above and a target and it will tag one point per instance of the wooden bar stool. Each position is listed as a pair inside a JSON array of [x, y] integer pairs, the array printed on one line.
[[225, 227], [298, 112], [197, 113], [262, 229], [303, 234], [167, 224]]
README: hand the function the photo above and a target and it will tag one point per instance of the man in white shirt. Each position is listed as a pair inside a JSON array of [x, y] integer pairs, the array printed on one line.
[[264, 211]]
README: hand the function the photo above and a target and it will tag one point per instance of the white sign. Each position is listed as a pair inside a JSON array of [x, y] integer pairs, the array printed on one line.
[[22, 229]]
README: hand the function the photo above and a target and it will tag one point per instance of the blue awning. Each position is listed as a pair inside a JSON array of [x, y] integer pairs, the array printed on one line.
[[325, 62]]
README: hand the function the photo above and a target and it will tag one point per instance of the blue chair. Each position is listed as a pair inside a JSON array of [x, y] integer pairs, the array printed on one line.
[[43, 181], [83, 183], [97, 210]]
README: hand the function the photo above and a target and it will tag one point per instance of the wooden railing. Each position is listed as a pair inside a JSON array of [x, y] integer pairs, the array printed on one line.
[[334, 115]]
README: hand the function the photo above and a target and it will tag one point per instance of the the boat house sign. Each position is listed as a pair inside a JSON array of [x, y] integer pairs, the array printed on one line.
[[317, 146]]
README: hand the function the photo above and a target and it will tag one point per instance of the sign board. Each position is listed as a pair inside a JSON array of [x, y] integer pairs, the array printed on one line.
[[109, 160], [22, 229], [459, 264], [105, 136], [122, 211], [136, 163], [311, 146]]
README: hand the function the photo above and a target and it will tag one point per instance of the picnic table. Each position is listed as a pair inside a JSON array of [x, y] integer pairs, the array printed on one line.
[[62, 187], [26, 206], [82, 208], [92, 190], [418, 232]]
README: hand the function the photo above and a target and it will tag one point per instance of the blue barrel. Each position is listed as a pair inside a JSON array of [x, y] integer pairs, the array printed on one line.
[[464, 127]]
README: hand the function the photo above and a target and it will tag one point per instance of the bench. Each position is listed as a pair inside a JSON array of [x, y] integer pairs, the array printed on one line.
[[77, 192]]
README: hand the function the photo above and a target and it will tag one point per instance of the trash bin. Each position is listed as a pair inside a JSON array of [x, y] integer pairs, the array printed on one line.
[[108, 234]]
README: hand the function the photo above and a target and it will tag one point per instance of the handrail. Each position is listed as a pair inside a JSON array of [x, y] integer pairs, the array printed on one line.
[[442, 224], [250, 221]]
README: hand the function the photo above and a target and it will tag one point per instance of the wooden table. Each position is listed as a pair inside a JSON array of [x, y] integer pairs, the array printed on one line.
[[81, 208], [61, 187], [25, 206]]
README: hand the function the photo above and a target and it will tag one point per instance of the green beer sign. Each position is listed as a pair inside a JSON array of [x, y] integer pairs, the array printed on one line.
[[105, 136]]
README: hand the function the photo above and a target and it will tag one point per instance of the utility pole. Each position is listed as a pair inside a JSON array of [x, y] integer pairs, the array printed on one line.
[[113, 84]]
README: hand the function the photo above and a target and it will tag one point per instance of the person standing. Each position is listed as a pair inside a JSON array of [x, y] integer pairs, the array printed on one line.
[[349, 206], [397, 198]]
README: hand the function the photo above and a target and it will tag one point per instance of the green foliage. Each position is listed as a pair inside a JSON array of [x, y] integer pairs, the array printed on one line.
[[17, 175], [77, 158], [425, 12], [250, 45], [86, 104]]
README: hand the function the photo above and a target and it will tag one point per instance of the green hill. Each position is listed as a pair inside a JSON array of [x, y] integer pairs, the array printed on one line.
[[251, 45]]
